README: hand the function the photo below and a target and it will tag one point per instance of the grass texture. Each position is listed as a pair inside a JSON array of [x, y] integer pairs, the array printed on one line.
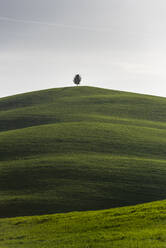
[[141, 226]]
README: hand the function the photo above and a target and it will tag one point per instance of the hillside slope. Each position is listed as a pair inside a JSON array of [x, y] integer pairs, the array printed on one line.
[[80, 148], [137, 227]]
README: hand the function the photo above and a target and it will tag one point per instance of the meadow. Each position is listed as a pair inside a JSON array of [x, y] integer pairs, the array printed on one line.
[[80, 148], [141, 226]]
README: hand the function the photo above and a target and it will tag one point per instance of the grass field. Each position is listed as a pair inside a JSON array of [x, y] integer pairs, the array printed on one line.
[[80, 148], [141, 226]]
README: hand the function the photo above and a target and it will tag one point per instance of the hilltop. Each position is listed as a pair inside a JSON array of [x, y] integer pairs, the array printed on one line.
[[80, 148]]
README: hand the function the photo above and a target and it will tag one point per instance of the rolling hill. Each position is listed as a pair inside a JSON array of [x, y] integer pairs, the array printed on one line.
[[141, 226], [80, 148]]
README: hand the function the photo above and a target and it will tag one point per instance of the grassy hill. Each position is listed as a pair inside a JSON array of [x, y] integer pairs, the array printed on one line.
[[80, 148], [130, 227]]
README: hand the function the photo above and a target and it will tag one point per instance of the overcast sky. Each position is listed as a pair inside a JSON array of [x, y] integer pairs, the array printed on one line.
[[116, 44]]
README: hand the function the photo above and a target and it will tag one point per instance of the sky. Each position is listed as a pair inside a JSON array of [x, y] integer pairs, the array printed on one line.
[[115, 44]]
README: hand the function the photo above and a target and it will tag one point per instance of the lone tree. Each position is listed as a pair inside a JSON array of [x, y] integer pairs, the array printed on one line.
[[77, 79]]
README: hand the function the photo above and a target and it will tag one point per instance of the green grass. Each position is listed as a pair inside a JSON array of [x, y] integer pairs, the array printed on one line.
[[141, 226], [79, 104], [80, 148], [78, 182]]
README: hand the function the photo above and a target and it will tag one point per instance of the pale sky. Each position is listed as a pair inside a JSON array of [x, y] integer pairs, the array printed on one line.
[[116, 44]]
